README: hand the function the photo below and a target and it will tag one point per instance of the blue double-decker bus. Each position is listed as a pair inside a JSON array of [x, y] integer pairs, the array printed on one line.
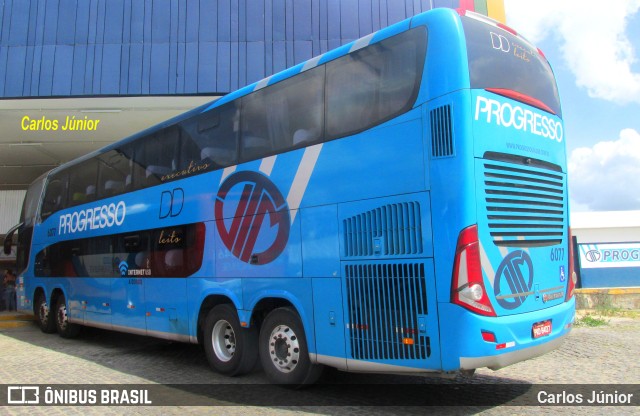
[[396, 205]]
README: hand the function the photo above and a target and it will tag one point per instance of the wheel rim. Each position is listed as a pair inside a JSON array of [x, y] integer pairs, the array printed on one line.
[[43, 312], [284, 348], [223, 340], [62, 317]]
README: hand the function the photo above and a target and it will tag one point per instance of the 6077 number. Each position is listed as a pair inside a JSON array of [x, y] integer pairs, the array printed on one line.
[[557, 254]]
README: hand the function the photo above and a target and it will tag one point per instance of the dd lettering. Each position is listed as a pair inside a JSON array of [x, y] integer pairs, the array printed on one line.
[[171, 203]]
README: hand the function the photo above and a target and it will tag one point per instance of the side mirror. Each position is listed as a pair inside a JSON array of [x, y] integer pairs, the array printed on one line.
[[8, 242], [8, 239]]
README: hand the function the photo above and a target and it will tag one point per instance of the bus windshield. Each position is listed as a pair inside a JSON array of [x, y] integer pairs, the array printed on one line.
[[499, 60]]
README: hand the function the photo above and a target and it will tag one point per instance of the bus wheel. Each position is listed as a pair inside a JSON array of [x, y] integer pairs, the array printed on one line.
[[65, 328], [283, 350], [44, 315], [230, 349]]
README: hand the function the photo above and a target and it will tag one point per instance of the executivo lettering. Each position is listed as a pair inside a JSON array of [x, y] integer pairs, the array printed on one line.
[[514, 116], [102, 216]]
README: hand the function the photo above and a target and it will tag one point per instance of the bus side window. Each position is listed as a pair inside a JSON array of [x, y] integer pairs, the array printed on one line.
[[114, 170], [82, 182], [177, 251], [295, 110], [42, 266], [374, 84], [256, 132], [156, 155], [188, 159], [216, 135], [284, 115], [54, 197]]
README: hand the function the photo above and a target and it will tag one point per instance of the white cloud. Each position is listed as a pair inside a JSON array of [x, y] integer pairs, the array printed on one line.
[[592, 39], [606, 177]]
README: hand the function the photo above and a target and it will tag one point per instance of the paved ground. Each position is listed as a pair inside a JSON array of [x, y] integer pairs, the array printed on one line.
[[602, 355]]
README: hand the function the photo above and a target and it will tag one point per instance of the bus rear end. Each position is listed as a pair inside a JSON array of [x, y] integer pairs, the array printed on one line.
[[512, 280]]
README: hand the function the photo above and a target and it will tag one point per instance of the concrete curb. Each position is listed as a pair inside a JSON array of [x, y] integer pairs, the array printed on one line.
[[608, 298]]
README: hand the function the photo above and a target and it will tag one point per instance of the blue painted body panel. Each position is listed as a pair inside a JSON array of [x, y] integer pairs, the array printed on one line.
[[610, 277]]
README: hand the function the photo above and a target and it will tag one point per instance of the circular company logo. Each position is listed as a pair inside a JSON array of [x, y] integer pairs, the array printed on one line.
[[244, 201], [593, 255], [516, 273]]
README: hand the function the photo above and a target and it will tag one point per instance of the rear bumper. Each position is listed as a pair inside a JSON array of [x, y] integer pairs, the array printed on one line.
[[496, 362], [461, 336]]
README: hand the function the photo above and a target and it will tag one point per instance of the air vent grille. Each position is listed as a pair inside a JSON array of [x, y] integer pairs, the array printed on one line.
[[393, 229], [385, 301], [441, 132]]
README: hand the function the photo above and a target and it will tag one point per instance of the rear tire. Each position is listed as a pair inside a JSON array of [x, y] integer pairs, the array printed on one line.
[[44, 315], [283, 350], [65, 328], [230, 349]]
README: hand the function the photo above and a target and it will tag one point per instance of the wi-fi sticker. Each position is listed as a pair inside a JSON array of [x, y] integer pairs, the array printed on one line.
[[124, 268]]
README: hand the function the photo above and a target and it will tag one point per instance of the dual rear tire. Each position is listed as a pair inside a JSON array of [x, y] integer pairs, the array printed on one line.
[[54, 319], [51, 320], [230, 349], [281, 346], [65, 328], [44, 315]]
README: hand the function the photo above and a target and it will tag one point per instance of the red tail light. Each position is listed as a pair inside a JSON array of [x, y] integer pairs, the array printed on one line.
[[507, 28], [523, 98], [573, 277], [467, 289]]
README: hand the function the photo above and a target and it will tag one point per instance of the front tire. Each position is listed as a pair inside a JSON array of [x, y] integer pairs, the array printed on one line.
[[44, 315], [230, 349], [283, 350], [65, 328]]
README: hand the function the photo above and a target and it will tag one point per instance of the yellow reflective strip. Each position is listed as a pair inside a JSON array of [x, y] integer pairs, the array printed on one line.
[[496, 10]]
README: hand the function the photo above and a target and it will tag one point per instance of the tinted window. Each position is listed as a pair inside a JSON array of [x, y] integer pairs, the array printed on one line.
[[55, 195], [156, 156], [82, 183], [374, 84], [213, 138], [165, 252], [31, 201], [115, 174], [284, 115], [498, 59]]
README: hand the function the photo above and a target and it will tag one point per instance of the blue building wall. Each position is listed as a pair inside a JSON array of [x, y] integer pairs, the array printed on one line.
[[139, 47]]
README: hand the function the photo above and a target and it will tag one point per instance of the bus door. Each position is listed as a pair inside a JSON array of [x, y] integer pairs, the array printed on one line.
[[131, 257]]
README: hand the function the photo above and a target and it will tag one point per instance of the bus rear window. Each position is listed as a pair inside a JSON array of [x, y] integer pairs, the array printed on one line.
[[497, 59]]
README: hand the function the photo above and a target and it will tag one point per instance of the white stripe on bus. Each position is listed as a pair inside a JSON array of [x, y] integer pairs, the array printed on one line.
[[301, 180]]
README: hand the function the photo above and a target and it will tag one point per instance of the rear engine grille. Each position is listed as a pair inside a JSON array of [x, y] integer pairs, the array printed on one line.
[[385, 301], [525, 205]]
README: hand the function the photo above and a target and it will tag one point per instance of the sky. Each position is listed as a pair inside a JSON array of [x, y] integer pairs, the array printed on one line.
[[594, 49]]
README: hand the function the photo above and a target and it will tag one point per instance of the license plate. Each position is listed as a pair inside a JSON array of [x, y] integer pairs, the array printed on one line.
[[541, 329]]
